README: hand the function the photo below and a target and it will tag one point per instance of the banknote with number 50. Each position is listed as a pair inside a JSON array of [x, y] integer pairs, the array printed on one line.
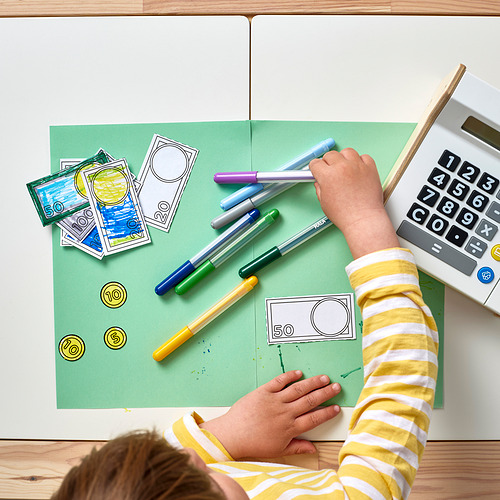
[[310, 318], [59, 195]]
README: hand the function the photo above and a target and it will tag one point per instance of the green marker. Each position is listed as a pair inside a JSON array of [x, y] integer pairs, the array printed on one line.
[[285, 247], [218, 259]]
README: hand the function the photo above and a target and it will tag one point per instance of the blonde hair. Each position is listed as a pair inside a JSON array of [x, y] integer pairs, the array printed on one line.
[[137, 466]]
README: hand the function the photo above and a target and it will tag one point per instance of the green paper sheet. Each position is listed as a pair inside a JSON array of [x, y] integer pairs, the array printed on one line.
[[230, 356]]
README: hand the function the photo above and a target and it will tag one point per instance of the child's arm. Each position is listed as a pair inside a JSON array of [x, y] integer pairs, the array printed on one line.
[[388, 429], [349, 190]]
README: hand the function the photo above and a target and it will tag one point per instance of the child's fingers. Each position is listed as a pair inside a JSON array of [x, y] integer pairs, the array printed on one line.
[[281, 381], [303, 388], [316, 417], [315, 398]]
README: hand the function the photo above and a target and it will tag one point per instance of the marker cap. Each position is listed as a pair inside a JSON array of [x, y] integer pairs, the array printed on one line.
[[206, 268], [172, 344], [176, 277], [233, 213], [260, 262], [235, 177]]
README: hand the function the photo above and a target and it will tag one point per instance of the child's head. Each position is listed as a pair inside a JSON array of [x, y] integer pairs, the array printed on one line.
[[138, 466]]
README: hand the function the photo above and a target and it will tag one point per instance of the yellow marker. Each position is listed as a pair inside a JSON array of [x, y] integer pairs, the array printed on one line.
[[188, 331]]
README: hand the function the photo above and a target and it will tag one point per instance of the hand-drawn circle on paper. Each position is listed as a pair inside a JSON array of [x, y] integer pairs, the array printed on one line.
[[110, 186], [322, 314], [71, 347], [169, 163], [113, 294], [78, 179], [115, 337]]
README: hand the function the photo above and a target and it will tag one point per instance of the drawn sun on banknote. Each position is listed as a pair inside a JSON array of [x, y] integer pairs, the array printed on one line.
[[110, 186], [78, 181]]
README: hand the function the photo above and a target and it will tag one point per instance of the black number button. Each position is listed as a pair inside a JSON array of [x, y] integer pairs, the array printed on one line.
[[488, 183], [467, 219], [447, 207], [468, 171], [439, 178], [428, 196], [456, 236], [437, 225], [477, 200], [458, 189], [418, 213], [449, 160]]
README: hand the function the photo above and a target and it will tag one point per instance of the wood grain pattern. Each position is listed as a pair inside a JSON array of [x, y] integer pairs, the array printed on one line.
[[34, 469], [249, 8], [449, 469]]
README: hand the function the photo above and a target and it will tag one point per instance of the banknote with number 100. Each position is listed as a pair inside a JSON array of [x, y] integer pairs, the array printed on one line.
[[114, 202]]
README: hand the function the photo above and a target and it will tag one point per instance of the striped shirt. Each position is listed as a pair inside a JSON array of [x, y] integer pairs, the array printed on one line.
[[389, 425]]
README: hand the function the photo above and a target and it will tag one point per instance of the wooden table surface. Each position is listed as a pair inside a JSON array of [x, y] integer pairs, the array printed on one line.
[[449, 470]]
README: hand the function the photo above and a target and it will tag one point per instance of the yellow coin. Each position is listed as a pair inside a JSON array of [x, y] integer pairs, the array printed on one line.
[[113, 294], [115, 337], [71, 347], [110, 186]]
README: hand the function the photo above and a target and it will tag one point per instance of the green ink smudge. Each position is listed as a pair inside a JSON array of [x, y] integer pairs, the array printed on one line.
[[281, 359], [345, 375]]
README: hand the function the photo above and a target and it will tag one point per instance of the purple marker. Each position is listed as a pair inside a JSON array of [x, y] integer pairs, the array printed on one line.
[[264, 177]]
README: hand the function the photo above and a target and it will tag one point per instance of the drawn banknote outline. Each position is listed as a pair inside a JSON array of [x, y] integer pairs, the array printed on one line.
[[310, 318], [163, 178], [115, 204]]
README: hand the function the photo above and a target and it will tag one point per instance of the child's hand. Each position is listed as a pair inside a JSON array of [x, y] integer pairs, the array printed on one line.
[[265, 422], [349, 191]]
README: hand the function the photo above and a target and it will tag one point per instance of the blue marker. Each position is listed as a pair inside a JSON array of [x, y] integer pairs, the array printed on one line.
[[299, 162], [190, 265]]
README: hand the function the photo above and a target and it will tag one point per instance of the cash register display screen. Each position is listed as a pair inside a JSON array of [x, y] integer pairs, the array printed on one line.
[[483, 132]]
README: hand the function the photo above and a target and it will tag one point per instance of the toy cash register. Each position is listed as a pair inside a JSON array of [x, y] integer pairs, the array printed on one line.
[[443, 194]]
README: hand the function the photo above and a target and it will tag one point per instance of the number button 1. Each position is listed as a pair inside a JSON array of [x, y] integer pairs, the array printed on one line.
[[449, 160]]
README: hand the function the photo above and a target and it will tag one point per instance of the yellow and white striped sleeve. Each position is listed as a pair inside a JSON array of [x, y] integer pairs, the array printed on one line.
[[186, 433], [389, 425]]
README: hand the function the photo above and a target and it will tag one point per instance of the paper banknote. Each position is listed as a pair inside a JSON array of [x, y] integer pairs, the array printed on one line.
[[310, 318], [119, 219], [59, 195], [162, 179]]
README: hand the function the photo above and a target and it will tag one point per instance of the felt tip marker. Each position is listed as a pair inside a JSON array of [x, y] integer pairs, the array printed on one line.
[[299, 162], [266, 177], [193, 328], [223, 239], [228, 251], [285, 247], [267, 194]]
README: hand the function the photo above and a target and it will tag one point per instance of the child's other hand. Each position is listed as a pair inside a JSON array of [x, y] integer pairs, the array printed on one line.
[[265, 422], [349, 191]]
